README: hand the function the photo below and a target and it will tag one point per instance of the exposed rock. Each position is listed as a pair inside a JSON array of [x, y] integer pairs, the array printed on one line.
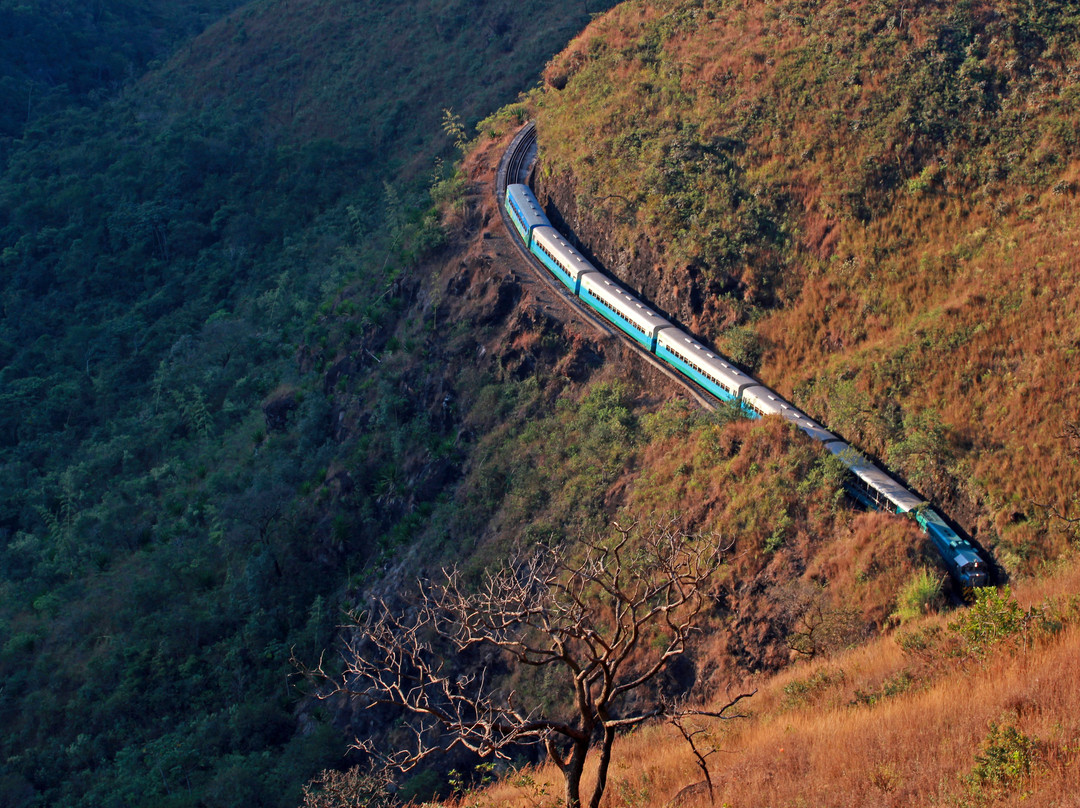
[[278, 406]]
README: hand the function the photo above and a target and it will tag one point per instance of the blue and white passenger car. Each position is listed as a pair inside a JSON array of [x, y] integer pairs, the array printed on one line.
[[624, 310], [562, 260], [525, 211], [713, 372]]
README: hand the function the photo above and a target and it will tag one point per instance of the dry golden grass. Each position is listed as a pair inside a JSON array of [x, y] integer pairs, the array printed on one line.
[[951, 287], [816, 738]]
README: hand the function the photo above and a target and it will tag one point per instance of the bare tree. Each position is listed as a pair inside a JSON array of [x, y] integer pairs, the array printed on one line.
[[610, 618]]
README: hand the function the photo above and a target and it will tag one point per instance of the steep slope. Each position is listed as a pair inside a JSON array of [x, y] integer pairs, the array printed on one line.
[[556, 430], [58, 52], [730, 199], [885, 725], [873, 206]]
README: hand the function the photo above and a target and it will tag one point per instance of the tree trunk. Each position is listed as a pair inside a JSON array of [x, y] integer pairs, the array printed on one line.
[[572, 773], [601, 775]]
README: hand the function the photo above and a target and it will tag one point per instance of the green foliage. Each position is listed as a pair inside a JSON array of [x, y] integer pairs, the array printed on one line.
[[896, 684], [995, 620], [922, 450], [743, 346], [454, 129], [920, 641], [165, 258], [919, 596], [507, 117], [465, 786], [994, 617], [54, 53], [1006, 759], [800, 692]]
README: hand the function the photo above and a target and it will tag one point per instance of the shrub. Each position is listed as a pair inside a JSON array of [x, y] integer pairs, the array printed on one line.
[[996, 618], [922, 594], [803, 691], [1008, 756]]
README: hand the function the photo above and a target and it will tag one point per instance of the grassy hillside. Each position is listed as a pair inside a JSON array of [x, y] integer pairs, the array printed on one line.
[[872, 206], [887, 724], [248, 376], [556, 430]]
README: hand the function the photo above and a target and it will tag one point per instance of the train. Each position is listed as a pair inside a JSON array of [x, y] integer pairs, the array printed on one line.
[[865, 481]]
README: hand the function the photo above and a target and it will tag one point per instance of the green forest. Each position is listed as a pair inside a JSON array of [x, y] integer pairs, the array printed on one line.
[[174, 230], [56, 54]]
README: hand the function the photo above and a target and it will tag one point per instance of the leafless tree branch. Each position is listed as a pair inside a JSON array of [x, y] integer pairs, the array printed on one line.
[[611, 616]]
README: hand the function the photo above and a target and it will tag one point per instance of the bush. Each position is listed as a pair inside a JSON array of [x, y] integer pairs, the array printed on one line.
[[1008, 756], [921, 595], [349, 789], [996, 618], [743, 346]]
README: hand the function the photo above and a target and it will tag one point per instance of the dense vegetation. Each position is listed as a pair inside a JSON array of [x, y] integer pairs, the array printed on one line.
[[57, 52], [173, 511], [873, 205]]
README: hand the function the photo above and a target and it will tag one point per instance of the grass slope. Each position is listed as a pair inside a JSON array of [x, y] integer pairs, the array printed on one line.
[[874, 206], [887, 724]]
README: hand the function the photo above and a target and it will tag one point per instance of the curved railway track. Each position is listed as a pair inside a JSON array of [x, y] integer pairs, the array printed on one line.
[[866, 482], [517, 166]]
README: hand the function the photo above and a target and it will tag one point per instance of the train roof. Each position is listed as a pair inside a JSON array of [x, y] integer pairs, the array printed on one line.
[[527, 203], [769, 403], [766, 402], [555, 243], [730, 376], [622, 301], [963, 552], [874, 477]]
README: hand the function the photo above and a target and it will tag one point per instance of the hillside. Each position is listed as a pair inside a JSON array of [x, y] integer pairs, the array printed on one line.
[[977, 710], [872, 207], [55, 53], [266, 352]]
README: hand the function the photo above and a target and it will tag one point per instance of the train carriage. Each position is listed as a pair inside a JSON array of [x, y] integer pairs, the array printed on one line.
[[693, 359], [525, 211], [621, 308], [808, 425], [872, 486], [564, 262], [962, 559], [759, 400]]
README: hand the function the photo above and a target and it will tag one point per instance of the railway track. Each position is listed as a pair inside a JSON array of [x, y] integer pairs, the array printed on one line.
[[518, 161], [517, 165], [865, 482]]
